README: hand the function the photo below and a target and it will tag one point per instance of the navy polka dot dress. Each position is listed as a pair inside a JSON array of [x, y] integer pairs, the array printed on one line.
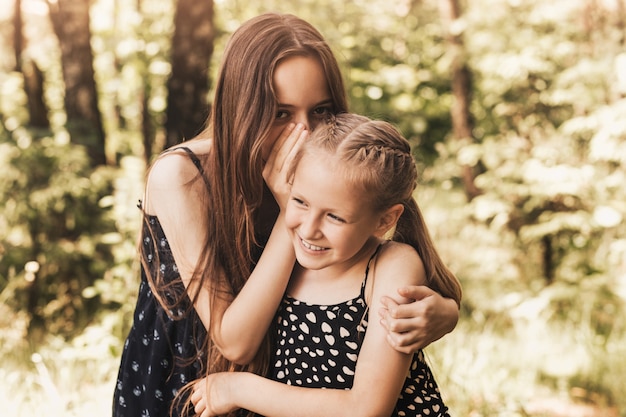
[[157, 360], [318, 345], [159, 355]]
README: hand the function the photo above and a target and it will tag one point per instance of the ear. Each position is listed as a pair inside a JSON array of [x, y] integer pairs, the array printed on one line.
[[388, 219]]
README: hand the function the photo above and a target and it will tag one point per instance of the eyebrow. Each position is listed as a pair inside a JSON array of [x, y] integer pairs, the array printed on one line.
[[321, 103]]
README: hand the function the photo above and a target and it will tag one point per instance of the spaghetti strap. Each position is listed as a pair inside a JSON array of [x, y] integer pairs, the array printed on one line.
[[196, 161], [367, 268]]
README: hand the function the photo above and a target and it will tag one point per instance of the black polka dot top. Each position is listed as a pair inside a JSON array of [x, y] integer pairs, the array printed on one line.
[[317, 346]]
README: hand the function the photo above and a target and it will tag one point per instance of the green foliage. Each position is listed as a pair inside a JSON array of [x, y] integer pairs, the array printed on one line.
[[549, 147], [540, 253], [57, 230]]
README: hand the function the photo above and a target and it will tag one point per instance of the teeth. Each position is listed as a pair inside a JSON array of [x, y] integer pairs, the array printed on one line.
[[310, 246]]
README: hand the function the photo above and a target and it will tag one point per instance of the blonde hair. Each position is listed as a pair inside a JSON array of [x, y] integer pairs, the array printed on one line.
[[376, 159]]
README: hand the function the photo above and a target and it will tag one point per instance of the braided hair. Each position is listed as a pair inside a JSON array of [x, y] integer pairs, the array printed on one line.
[[377, 161]]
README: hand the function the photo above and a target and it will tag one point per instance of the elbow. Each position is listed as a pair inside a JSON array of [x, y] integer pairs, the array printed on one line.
[[235, 348], [238, 355]]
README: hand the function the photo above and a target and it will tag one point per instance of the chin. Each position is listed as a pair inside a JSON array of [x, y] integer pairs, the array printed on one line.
[[307, 263]]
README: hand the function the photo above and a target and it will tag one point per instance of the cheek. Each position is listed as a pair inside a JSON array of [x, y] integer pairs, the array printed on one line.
[[291, 218]]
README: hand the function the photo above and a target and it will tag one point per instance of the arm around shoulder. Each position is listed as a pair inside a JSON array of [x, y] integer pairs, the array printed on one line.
[[422, 318]]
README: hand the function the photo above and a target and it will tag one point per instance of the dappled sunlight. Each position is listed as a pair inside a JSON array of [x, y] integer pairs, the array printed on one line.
[[540, 249]]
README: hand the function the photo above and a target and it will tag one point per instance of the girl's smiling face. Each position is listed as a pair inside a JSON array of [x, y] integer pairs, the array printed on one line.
[[329, 220], [303, 96]]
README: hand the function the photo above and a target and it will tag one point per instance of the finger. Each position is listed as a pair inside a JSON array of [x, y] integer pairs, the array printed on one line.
[[199, 406], [416, 292], [382, 312], [276, 170], [391, 310], [199, 387], [284, 135], [393, 341], [388, 302], [195, 396], [288, 150], [408, 325], [284, 145]]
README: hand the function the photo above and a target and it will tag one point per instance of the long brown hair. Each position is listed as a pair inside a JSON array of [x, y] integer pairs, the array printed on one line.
[[377, 161], [244, 108]]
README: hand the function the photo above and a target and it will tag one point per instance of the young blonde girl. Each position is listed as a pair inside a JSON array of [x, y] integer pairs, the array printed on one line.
[[352, 184]]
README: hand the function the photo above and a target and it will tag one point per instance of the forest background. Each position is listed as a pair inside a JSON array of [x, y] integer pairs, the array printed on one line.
[[517, 113]]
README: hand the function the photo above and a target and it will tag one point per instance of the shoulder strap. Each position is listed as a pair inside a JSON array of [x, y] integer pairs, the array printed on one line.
[[196, 161], [367, 268]]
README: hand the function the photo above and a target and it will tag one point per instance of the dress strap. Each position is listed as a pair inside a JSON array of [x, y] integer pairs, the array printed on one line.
[[196, 161], [367, 268]]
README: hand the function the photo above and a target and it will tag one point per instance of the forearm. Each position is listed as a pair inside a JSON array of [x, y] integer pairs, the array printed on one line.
[[245, 321], [275, 399]]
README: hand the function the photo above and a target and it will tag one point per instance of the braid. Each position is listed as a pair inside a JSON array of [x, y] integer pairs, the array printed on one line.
[[388, 170], [376, 159]]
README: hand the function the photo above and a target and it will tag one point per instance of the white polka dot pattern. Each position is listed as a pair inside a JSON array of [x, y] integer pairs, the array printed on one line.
[[317, 346]]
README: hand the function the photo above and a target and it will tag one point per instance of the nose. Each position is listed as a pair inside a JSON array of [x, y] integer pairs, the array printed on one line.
[[305, 120], [309, 226]]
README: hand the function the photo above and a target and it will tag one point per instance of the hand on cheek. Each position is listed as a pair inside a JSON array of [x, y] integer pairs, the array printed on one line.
[[276, 169]]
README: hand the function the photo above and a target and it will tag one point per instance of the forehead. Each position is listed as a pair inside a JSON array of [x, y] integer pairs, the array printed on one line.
[[321, 168], [329, 183], [300, 78]]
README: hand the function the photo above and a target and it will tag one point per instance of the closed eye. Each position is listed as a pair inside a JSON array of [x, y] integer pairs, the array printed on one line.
[[336, 218]]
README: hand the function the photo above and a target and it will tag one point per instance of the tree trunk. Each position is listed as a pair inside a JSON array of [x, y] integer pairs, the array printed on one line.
[[70, 21], [18, 35], [462, 121], [33, 86], [33, 77], [188, 85], [147, 130]]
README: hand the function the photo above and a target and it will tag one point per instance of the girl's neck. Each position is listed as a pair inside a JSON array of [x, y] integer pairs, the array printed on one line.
[[334, 284]]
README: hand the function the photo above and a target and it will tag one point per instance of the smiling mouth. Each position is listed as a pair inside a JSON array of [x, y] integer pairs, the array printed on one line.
[[310, 246]]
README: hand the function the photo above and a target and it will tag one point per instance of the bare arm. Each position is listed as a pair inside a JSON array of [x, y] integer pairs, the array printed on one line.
[[175, 193], [375, 390]]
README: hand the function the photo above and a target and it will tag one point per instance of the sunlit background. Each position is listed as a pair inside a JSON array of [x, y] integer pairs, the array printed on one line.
[[516, 110]]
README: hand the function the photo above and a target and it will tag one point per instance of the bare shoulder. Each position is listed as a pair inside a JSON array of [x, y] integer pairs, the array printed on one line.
[[175, 167], [174, 176], [400, 264]]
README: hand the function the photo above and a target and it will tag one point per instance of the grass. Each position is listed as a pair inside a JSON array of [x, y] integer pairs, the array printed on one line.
[[60, 378]]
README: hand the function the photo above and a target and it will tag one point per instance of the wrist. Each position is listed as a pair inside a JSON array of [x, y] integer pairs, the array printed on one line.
[[453, 314], [230, 384], [236, 383]]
